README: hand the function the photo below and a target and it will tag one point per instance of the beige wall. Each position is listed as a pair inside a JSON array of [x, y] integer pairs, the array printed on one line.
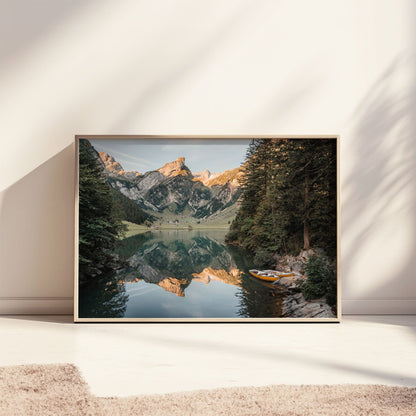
[[208, 67]]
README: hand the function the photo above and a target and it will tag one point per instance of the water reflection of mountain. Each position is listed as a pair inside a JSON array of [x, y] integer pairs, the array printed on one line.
[[233, 277], [172, 260], [194, 265]]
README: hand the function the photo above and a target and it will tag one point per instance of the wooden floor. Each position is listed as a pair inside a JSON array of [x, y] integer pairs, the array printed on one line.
[[131, 359]]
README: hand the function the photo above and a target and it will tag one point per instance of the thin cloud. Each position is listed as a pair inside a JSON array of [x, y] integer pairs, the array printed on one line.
[[115, 153], [148, 155]]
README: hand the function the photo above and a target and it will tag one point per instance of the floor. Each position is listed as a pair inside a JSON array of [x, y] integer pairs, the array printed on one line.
[[131, 359]]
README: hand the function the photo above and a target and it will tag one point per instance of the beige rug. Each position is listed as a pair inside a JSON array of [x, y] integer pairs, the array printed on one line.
[[60, 390]]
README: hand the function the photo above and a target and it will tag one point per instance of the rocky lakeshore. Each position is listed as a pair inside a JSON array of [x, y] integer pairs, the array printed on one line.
[[295, 305]]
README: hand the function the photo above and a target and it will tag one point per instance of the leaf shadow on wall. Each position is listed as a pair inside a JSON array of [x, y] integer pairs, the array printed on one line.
[[37, 231], [379, 194]]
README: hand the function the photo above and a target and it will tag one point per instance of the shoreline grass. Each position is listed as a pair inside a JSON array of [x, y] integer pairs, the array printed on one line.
[[134, 229]]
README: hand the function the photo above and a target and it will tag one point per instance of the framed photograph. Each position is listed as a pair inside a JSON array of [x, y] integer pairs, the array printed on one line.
[[207, 228]]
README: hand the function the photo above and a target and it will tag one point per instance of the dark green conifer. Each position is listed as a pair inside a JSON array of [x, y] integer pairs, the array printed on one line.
[[288, 201], [99, 225]]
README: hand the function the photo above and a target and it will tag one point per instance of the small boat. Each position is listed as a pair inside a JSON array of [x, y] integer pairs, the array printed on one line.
[[269, 275]]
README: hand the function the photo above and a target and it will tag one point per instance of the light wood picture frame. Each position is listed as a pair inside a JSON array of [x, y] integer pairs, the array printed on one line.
[[207, 228]]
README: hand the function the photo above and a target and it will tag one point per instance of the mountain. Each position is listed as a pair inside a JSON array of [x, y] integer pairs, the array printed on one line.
[[128, 210], [175, 168], [203, 176], [173, 190], [228, 177], [210, 179], [113, 168]]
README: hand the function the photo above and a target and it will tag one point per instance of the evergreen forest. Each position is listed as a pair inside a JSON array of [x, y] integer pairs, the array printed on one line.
[[101, 212], [289, 198]]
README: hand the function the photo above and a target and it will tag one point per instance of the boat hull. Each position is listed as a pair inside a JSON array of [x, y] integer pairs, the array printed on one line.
[[270, 278]]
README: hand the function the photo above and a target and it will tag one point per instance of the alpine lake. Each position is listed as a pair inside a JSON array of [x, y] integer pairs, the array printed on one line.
[[180, 274]]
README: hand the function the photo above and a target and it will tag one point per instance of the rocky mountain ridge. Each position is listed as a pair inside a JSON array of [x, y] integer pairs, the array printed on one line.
[[173, 189], [175, 168], [231, 176], [203, 176], [113, 168]]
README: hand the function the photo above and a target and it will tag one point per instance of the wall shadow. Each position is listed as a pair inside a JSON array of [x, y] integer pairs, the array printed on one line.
[[380, 207], [37, 230]]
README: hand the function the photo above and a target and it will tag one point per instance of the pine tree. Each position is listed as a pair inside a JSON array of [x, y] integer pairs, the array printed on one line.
[[254, 185], [99, 227], [289, 196]]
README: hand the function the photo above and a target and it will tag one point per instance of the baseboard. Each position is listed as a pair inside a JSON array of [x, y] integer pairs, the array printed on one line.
[[36, 306], [64, 306], [379, 307]]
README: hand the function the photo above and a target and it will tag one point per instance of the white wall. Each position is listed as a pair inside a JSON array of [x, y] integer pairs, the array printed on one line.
[[208, 67]]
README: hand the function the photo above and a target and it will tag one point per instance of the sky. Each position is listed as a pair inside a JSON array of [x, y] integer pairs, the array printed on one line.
[[143, 155]]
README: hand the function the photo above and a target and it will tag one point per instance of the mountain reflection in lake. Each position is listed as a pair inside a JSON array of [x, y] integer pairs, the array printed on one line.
[[180, 274]]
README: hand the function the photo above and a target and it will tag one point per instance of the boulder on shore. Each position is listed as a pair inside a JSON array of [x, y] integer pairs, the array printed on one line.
[[296, 306], [296, 264]]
